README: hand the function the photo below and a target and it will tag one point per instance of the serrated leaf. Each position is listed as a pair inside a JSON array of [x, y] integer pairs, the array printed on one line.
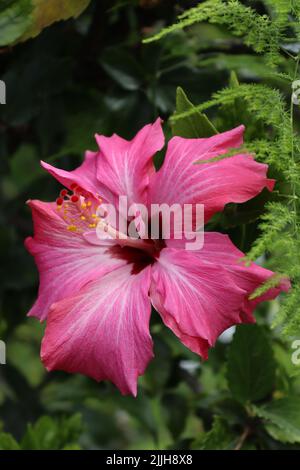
[[251, 365], [49, 434], [7, 442], [196, 125], [218, 438], [282, 418]]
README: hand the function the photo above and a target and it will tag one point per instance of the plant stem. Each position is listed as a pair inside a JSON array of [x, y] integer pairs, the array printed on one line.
[[242, 438], [292, 150]]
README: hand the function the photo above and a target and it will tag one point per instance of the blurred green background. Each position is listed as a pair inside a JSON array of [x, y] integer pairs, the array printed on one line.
[[93, 74]]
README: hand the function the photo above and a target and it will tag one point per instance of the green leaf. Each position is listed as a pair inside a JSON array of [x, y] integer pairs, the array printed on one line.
[[15, 18], [123, 69], [159, 370], [218, 438], [233, 80], [41, 435], [24, 166], [46, 13], [25, 344], [177, 412], [251, 365], [7, 442], [48, 434], [193, 126], [23, 19], [282, 418], [24, 170]]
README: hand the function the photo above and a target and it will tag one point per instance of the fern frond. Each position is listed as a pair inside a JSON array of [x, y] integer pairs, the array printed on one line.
[[258, 31], [274, 221], [272, 282], [266, 103]]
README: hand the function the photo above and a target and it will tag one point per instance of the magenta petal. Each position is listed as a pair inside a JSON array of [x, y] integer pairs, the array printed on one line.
[[220, 251], [214, 184], [197, 300], [84, 176], [125, 166], [103, 331], [65, 260]]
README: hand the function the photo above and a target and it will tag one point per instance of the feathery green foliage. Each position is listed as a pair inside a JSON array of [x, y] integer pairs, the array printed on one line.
[[265, 35]]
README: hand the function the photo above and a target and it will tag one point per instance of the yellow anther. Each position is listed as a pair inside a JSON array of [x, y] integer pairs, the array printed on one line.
[[83, 205], [94, 216], [72, 228], [89, 204], [92, 225], [82, 217]]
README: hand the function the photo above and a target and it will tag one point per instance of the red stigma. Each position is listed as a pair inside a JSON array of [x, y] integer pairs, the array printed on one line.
[[74, 198], [59, 201], [63, 192]]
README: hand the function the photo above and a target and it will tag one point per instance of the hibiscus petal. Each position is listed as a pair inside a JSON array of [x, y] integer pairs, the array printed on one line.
[[125, 166], [84, 176], [223, 260], [103, 331], [197, 300], [214, 184], [66, 260], [218, 249]]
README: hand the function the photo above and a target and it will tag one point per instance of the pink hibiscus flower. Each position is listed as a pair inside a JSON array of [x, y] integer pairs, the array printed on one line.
[[96, 294]]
